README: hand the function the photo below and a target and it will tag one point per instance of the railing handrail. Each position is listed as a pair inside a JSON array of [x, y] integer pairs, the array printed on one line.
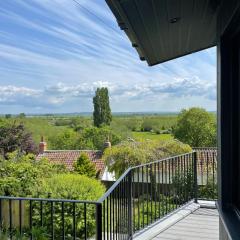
[[48, 200], [161, 160], [204, 148]]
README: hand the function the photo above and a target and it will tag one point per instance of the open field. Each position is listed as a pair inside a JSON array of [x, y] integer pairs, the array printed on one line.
[[140, 136], [71, 127]]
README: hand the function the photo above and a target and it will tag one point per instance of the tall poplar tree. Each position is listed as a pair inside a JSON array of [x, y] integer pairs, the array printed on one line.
[[102, 112]]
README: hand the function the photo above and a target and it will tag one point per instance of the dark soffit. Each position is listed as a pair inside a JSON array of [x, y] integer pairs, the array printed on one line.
[[162, 30]]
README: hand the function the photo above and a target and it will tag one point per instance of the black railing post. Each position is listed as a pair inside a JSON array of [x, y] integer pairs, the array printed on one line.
[[195, 177], [99, 221], [130, 216]]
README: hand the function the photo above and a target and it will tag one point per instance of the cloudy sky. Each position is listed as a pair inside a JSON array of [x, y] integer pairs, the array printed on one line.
[[55, 53]]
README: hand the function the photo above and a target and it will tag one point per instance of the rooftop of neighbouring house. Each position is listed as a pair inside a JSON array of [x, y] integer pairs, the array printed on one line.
[[69, 157]]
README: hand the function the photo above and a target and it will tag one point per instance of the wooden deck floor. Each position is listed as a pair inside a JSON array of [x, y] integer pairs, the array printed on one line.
[[203, 224]]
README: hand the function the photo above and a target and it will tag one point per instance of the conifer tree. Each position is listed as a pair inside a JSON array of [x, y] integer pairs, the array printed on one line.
[[84, 166], [102, 112]]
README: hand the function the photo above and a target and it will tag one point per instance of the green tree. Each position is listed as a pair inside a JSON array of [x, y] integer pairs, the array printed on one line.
[[196, 127], [8, 116], [102, 111], [128, 154], [20, 174], [14, 137], [84, 166], [94, 138], [67, 140], [22, 115]]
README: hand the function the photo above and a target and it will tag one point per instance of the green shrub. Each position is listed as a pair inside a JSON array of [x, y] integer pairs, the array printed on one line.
[[209, 190], [70, 186], [183, 185], [84, 166], [128, 154], [21, 173]]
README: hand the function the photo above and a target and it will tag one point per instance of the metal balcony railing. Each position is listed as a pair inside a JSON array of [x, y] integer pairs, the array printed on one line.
[[141, 196]]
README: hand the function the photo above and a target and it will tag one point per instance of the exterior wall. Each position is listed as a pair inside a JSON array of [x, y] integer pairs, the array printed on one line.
[[222, 232]]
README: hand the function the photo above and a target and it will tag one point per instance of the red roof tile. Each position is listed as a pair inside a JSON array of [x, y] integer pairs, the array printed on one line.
[[68, 157]]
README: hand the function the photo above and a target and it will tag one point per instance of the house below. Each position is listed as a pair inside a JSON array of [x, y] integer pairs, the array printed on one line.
[[69, 157]]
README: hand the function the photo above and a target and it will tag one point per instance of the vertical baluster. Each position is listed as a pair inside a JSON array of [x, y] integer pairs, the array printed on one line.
[[0, 214], [98, 209], [74, 220], [138, 199], [107, 220], [147, 195], [104, 220], [202, 160], [185, 177], [117, 212], [163, 191], [143, 197], [129, 203], [125, 209], [85, 221], [155, 194], [121, 210], [188, 173], [20, 217], [151, 192], [41, 213], [178, 183], [63, 221], [52, 219], [133, 197], [113, 204], [172, 187], [110, 216], [213, 157], [30, 218], [207, 159], [159, 191], [10, 217], [169, 185], [166, 182]]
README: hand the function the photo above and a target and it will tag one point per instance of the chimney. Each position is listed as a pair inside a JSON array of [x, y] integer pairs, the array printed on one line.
[[42, 146], [107, 144]]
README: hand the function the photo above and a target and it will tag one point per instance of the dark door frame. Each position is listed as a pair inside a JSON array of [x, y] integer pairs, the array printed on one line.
[[228, 60]]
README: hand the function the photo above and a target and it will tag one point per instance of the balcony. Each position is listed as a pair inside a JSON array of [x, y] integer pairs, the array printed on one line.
[[155, 200]]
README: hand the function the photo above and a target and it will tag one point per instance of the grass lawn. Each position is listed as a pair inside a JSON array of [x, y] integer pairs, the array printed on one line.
[[140, 136]]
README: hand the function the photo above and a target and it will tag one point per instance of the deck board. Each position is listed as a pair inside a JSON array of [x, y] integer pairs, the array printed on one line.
[[203, 224]]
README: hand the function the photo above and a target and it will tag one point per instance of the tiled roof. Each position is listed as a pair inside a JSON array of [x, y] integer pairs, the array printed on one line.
[[68, 157]]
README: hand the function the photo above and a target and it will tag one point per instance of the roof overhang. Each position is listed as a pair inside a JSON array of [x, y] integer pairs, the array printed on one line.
[[162, 30]]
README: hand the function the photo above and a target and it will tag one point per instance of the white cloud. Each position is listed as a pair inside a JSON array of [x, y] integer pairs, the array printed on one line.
[[60, 94]]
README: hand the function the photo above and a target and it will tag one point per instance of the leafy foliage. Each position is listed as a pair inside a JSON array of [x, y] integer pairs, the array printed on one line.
[[67, 139], [102, 111], [196, 127], [94, 138], [183, 185], [208, 190], [84, 166], [128, 154], [71, 186], [14, 137], [21, 173]]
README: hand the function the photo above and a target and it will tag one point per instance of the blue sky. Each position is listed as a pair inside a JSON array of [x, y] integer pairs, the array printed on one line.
[[54, 54]]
